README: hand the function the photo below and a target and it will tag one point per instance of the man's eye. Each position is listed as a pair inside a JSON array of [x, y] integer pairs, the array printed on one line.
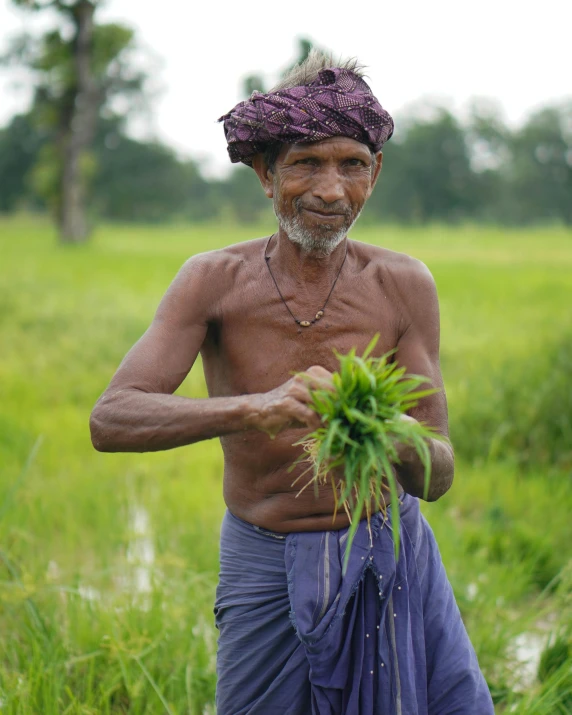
[[355, 162], [308, 160]]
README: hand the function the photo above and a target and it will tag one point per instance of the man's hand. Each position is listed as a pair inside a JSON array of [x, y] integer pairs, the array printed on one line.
[[287, 405]]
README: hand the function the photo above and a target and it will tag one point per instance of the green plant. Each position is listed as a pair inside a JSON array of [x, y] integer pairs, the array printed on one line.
[[357, 444]]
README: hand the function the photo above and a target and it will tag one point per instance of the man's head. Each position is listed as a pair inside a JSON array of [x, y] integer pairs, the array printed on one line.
[[319, 189], [314, 141]]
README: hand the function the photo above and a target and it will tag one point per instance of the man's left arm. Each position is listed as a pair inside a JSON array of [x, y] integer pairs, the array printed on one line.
[[418, 351]]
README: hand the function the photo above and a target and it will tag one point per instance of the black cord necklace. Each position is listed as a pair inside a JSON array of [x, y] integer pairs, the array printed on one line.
[[320, 313]]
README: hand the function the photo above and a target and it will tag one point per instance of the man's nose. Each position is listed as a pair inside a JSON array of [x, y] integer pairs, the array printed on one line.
[[328, 185]]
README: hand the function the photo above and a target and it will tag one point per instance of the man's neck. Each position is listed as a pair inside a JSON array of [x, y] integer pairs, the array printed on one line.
[[305, 266]]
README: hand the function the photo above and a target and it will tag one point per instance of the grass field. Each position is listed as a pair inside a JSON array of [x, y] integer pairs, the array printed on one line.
[[108, 563]]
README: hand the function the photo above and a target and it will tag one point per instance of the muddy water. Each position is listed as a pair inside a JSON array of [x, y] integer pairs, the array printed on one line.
[[134, 574]]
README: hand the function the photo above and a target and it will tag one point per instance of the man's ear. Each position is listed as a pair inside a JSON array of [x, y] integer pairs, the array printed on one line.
[[264, 174], [378, 161]]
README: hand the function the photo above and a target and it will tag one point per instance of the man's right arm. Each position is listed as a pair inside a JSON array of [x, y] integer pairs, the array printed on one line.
[[139, 413]]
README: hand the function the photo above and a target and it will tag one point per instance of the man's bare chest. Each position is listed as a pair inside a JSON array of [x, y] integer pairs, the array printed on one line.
[[257, 344]]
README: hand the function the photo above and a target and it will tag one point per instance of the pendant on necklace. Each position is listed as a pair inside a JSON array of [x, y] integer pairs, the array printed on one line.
[[320, 313], [307, 323]]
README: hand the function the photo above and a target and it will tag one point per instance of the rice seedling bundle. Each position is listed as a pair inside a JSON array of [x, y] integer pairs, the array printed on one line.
[[362, 425]]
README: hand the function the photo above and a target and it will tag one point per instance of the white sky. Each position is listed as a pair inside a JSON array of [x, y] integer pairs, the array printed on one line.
[[514, 51]]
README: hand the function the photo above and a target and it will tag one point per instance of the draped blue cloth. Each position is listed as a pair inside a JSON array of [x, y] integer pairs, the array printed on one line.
[[296, 637]]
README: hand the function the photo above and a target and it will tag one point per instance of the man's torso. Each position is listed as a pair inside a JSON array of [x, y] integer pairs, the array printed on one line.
[[253, 345]]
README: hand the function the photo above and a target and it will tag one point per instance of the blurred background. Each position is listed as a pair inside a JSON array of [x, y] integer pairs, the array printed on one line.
[[482, 102], [113, 171]]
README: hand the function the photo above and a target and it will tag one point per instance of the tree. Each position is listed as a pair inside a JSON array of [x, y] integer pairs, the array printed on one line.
[[541, 170], [427, 174], [241, 191], [255, 82], [145, 181], [78, 69], [132, 180], [20, 145], [489, 140]]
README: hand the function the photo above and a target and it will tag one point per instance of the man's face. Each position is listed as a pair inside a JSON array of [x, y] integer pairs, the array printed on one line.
[[320, 189]]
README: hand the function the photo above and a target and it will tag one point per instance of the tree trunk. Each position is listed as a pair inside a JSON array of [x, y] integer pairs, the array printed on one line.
[[77, 135]]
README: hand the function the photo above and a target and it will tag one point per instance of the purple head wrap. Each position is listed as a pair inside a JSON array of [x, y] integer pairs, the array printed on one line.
[[337, 103]]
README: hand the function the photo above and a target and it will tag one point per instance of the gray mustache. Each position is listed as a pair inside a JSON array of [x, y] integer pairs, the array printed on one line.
[[323, 208]]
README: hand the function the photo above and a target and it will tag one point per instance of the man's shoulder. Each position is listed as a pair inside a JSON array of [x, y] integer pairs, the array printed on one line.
[[400, 266], [206, 278], [229, 255], [222, 263]]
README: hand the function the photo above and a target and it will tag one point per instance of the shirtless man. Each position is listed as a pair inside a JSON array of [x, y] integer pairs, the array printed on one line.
[[251, 310]]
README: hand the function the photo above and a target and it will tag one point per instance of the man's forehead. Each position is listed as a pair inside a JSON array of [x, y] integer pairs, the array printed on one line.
[[324, 146]]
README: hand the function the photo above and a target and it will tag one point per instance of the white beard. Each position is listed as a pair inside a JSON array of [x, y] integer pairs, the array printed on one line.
[[321, 242]]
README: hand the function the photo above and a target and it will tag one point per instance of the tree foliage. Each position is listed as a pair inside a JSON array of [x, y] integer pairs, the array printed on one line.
[[145, 181], [427, 174], [20, 146], [541, 171], [78, 69], [439, 169], [256, 82]]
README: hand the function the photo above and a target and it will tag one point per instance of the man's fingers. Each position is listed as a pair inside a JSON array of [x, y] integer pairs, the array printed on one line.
[[319, 378], [318, 370], [302, 414], [407, 418], [303, 383], [300, 389]]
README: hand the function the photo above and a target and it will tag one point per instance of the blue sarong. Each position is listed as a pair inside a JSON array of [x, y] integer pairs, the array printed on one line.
[[296, 637]]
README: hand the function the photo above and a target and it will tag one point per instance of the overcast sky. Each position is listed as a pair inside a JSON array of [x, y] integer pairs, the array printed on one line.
[[514, 51]]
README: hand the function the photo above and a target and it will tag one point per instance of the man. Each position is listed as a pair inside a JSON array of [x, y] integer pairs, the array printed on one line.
[[297, 636]]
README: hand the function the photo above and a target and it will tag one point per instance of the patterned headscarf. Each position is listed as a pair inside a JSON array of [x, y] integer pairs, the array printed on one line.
[[337, 103]]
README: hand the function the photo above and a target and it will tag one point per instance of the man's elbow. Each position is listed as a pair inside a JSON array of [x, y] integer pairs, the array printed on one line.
[[99, 435], [442, 481], [103, 434], [438, 492]]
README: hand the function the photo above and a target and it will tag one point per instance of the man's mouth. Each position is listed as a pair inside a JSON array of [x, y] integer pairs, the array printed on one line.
[[326, 215]]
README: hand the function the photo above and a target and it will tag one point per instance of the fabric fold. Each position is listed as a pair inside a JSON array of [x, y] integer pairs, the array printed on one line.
[[385, 637]]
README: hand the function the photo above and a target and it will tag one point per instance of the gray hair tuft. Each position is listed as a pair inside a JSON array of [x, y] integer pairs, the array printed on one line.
[[302, 74], [317, 60]]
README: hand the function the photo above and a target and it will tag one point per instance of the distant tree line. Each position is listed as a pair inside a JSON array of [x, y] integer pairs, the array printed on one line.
[[440, 169], [131, 180], [435, 169]]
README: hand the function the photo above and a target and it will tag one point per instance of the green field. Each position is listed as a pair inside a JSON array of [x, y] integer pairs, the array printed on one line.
[[109, 562]]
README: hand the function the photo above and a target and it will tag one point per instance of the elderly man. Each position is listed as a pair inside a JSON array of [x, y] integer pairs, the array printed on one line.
[[297, 635]]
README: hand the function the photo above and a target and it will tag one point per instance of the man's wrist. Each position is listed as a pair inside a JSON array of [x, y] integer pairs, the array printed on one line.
[[252, 410]]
